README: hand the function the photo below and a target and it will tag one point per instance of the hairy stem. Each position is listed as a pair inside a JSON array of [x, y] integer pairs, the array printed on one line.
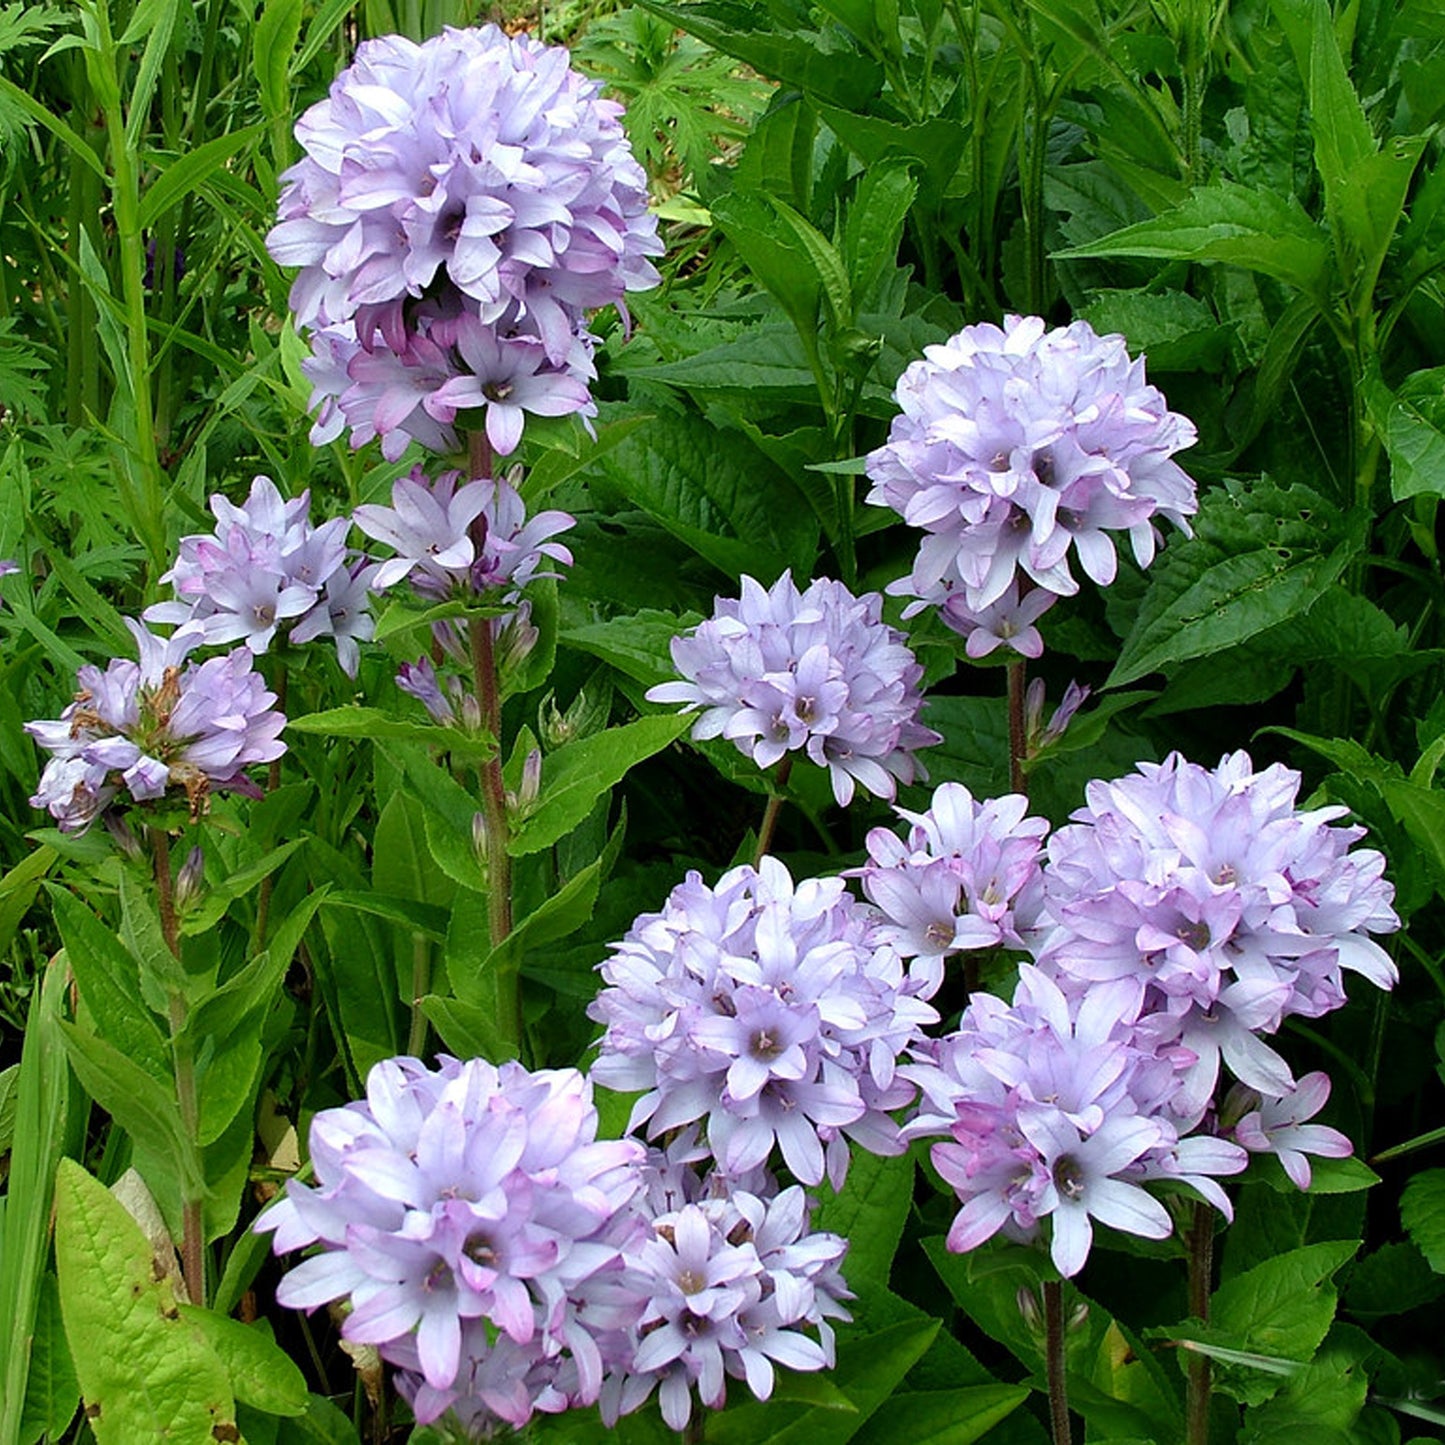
[[1201, 1273], [1055, 1362], [770, 813], [1017, 735], [193, 1262]]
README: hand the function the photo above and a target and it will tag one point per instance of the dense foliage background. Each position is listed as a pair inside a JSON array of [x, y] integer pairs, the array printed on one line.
[[1248, 191]]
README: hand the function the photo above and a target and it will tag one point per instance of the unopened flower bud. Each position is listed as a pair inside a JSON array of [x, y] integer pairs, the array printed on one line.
[[587, 714], [479, 837], [515, 640], [531, 786], [190, 881], [1028, 1303], [1239, 1101], [122, 836], [1079, 1316], [471, 713]]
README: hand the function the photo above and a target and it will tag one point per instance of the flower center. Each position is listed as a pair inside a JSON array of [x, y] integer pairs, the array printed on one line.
[[766, 1045], [1069, 1177], [690, 1281]]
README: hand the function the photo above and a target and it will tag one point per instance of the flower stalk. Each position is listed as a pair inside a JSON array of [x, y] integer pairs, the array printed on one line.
[[1056, 1362], [1201, 1272]]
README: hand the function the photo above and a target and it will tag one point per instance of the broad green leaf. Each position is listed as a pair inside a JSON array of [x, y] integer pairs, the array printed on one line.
[[942, 1417], [1259, 556], [467, 1030], [52, 1393], [401, 865], [575, 776], [869, 1213], [638, 645], [161, 974], [372, 723], [1237, 225], [1281, 1310], [236, 884], [1395, 1278], [261, 1374], [145, 1109], [108, 981], [450, 810], [935, 146], [1177, 331], [143, 1372], [874, 227], [776, 255], [766, 359], [419, 917], [1411, 424], [1422, 1211], [827, 264]]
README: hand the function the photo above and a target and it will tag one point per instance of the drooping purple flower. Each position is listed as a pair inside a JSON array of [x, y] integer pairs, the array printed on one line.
[[1231, 906], [768, 1011], [458, 1195], [779, 671], [1015, 449], [143, 728]]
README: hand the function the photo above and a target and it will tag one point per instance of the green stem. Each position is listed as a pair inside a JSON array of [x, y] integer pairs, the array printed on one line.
[[1056, 1362], [193, 1261], [420, 983], [1201, 1278]]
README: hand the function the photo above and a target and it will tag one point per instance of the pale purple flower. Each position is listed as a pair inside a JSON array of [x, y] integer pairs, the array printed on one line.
[[779, 671], [474, 170], [726, 1284], [966, 877], [766, 1011], [467, 1193], [1015, 449], [1008, 621], [144, 728], [1231, 906], [264, 566], [1279, 1126]]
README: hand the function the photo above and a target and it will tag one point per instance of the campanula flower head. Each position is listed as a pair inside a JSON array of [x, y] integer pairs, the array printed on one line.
[[1018, 450], [265, 567], [779, 671], [727, 1283], [769, 1013], [1233, 907], [467, 1193], [966, 876], [1280, 1126], [474, 178], [1058, 1108], [139, 730]]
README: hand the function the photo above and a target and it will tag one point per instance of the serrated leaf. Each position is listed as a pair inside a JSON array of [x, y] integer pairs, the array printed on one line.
[[1259, 556], [1422, 1211], [144, 1374], [1238, 225], [575, 776], [869, 1213]]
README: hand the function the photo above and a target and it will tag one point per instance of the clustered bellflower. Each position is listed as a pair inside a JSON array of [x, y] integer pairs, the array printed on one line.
[[1018, 449], [462, 1210], [779, 671], [462, 205], [140, 729], [769, 1011], [265, 565]]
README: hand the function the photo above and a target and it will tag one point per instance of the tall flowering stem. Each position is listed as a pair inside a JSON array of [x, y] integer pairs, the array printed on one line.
[[1017, 732], [193, 1264], [770, 813], [1056, 1362]]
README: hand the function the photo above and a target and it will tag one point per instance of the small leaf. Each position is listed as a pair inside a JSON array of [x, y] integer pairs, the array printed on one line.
[[261, 1374], [373, 723], [1422, 1211]]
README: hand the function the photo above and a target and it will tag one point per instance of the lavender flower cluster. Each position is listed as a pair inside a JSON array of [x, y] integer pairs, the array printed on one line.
[[462, 205], [1015, 448], [140, 729], [265, 564], [769, 1010], [509, 1262], [780, 671]]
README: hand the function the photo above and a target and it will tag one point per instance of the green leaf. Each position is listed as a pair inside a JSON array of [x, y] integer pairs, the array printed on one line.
[[261, 1374], [69, 138], [638, 645], [827, 264], [450, 810], [776, 255], [1257, 229], [419, 917], [869, 1213], [1259, 556], [52, 1392], [1178, 331], [1281, 1310], [1422, 1211], [145, 1109], [372, 723], [942, 1417], [936, 147], [575, 776], [184, 173], [272, 42], [467, 1030], [1411, 424], [161, 974], [1393, 1279], [144, 1374]]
